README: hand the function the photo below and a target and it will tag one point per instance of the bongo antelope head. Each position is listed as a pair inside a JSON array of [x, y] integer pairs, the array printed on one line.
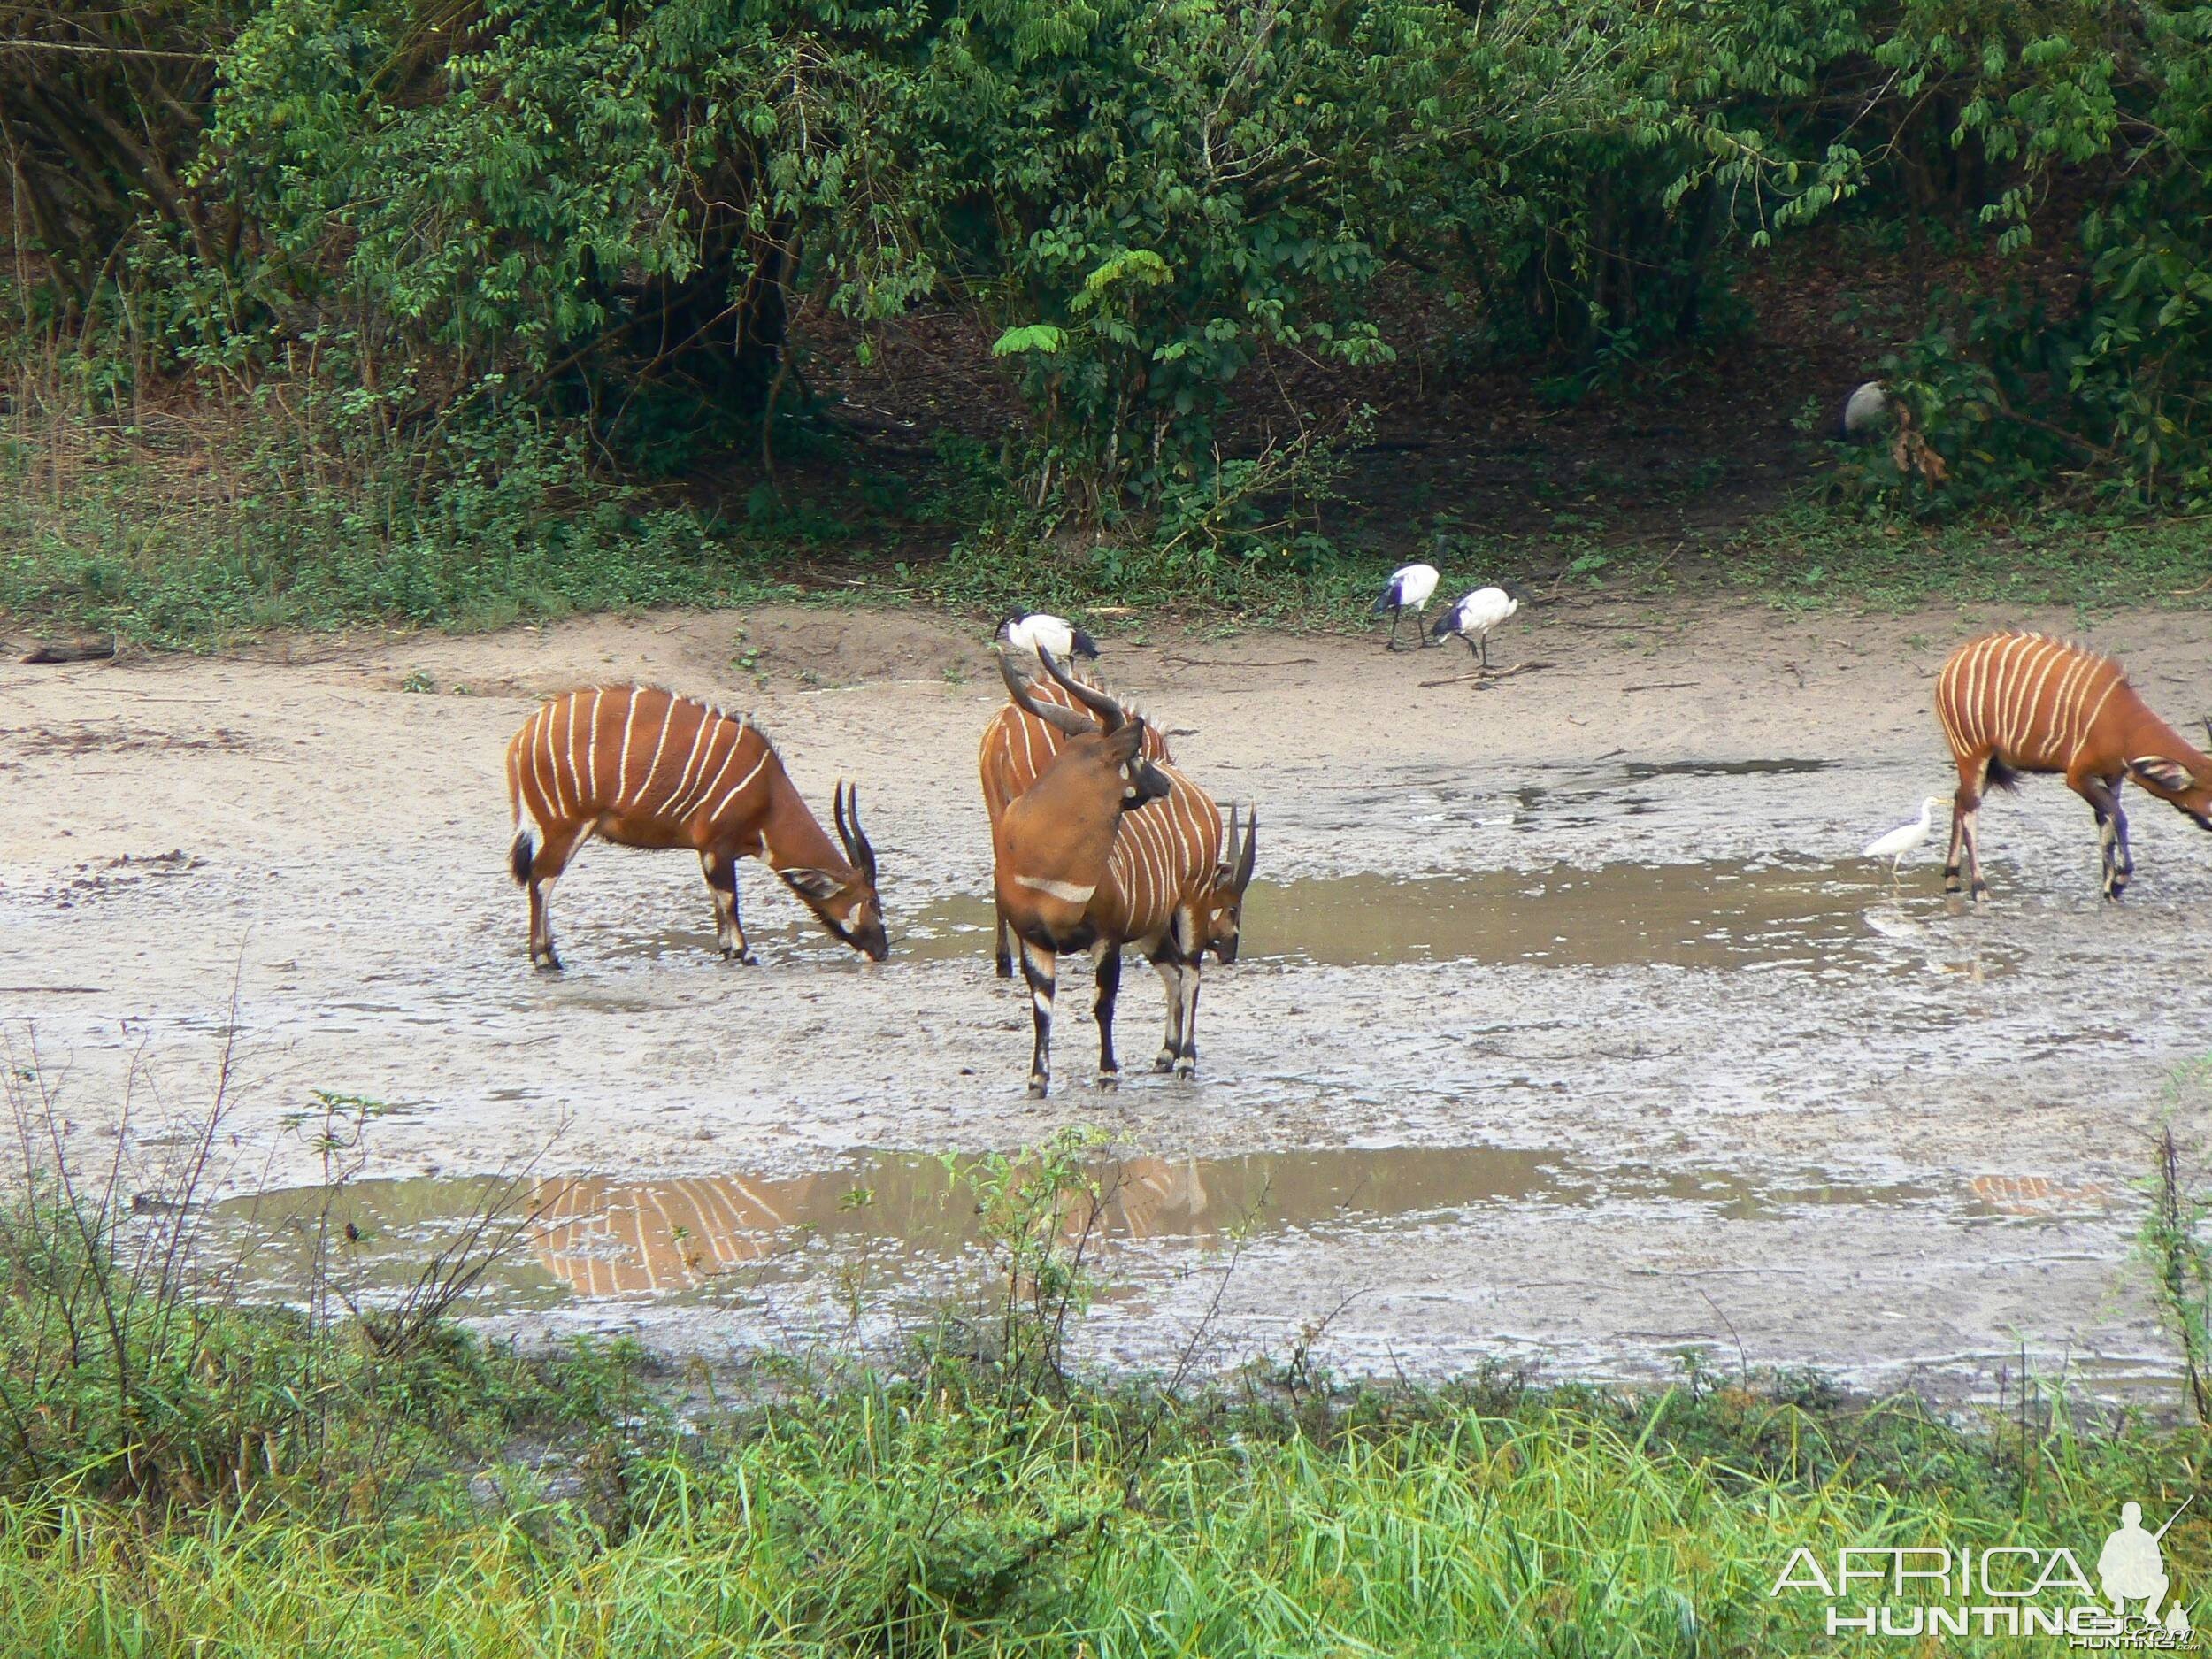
[[1116, 738], [1221, 911], [2186, 783], [846, 903]]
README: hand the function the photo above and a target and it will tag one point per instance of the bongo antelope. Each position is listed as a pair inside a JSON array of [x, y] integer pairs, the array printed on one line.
[[1081, 868], [2012, 702], [1016, 747], [643, 767]]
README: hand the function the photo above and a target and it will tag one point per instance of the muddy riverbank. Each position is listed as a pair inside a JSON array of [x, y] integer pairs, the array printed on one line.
[[1570, 1030]]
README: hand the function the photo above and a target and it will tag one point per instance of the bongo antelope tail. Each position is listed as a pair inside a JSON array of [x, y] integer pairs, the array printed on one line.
[[642, 767], [2013, 702], [1107, 849]]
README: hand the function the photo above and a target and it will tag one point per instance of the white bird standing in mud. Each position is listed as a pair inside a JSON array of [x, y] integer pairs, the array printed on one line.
[[1408, 589], [1905, 838], [1027, 630], [1472, 619]]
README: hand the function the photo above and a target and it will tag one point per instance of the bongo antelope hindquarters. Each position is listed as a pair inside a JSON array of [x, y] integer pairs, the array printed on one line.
[[1018, 745]]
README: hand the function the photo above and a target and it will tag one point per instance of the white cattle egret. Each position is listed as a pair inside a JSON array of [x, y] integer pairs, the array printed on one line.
[[1906, 837], [1027, 630], [1408, 589], [1473, 617], [1860, 414]]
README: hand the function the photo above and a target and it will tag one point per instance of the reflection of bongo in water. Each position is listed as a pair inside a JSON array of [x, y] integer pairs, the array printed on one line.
[[604, 1237], [1145, 1196]]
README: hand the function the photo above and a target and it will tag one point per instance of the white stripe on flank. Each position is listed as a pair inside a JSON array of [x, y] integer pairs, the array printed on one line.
[[622, 760], [1068, 891], [568, 748], [668, 718], [715, 782], [683, 775], [2050, 661], [2111, 686], [1970, 708], [591, 748], [2066, 714], [738, 788], [694, 792], [548, 776]]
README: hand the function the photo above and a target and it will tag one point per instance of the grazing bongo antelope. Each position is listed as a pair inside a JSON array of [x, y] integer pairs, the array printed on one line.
[[643, 767], [1016, 747], [2013, 702], [1072, 875]]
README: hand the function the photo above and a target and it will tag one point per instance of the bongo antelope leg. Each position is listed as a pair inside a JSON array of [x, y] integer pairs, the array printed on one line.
[[1040, 969], [544, 870], [729, 931], [1109, 988]]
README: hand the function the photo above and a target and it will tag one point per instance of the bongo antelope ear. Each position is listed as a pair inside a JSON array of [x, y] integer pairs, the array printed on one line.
[[818, 885], [2159, 770]]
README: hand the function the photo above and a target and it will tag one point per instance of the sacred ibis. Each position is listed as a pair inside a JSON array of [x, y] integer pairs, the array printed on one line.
[[1472, 619], [1408, 589], [1862, 414], [1905, 838], [1027, 630]]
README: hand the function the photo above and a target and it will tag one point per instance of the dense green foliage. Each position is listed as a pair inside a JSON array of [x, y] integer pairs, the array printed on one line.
[[480, 273]]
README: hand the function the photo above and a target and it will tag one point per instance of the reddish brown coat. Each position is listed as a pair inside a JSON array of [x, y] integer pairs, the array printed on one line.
[[643, 767], [2015, 702]]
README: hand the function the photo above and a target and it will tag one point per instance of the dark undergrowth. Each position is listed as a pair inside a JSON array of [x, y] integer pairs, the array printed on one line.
[[113, 552]]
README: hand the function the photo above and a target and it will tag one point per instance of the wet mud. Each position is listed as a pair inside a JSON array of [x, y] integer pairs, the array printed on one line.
[[1569, 1032]]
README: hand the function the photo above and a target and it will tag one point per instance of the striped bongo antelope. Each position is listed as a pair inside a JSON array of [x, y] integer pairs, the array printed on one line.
[[644, 767], [1151, 876], [2012, 702], [1016, 747]]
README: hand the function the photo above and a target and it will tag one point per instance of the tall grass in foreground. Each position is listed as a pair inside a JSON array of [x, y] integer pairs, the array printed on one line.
[[182, 1473], [898, 1520]]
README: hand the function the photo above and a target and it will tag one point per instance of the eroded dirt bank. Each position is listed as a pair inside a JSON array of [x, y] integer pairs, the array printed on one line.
[[1605, 918]]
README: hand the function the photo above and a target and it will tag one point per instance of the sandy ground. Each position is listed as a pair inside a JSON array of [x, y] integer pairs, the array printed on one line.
[[1609, 912]]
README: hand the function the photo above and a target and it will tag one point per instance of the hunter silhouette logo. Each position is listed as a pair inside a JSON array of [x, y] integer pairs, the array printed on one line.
[[2131, 1568], [1935, 1590]]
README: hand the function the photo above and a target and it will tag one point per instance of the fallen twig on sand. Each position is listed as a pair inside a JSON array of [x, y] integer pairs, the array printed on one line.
[[1664, 685], [1486, 675], [80, 650], [1210, 662]]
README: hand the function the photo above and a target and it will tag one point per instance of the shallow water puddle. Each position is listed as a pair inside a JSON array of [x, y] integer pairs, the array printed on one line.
[[1719, 914], [1714, 914], [591, 1237]]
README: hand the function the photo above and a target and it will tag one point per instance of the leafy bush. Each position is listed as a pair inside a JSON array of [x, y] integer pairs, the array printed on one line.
[[473, 269]]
